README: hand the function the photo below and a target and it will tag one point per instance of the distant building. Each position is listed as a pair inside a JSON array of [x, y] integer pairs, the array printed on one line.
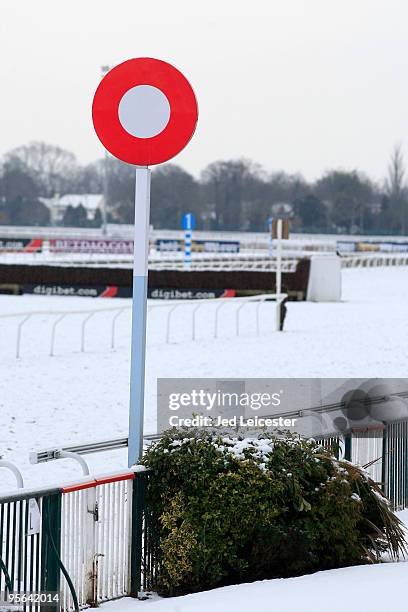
[[59, 204]]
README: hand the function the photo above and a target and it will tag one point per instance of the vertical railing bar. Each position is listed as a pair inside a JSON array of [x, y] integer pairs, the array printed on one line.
[[112, 539], [19, 331], [1, 543], [116, 524], [111, 536], [37, 542], [84, 322], [14, 550], [113, 329], [103, 559], [77, 537], [84, 535], [97, 585], [20, 543], [171, 309], [63, 543], [76, 543], [27, 546], [119, 559], [53, 331], [106, 542], [194, 320], [123, 537], [70, 551]]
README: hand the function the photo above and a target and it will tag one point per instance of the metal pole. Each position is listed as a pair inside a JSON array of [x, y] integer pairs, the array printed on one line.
[[278, 274], [139, 308], [270, 240], [187, 247], [279, 258], [105, 194]]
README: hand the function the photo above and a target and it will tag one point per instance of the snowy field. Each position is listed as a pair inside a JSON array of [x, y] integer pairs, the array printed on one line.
[[370, 588], [76, 397]]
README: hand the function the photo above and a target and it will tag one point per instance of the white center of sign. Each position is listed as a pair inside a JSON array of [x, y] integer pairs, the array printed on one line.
[[144, 111]]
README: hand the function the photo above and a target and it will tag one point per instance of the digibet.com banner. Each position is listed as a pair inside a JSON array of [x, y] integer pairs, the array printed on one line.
[[310, 407]]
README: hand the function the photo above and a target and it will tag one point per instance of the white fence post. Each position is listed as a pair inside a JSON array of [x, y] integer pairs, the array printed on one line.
[[114, 318], [19, 330], [54, 326], [84, 322], [194, 320], [240, 307], [171, 310]]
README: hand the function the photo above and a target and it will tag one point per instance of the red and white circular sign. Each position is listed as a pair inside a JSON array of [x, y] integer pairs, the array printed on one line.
[[144, 111]]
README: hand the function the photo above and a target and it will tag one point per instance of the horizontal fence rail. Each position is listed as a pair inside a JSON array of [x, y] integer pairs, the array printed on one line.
[[372, 261], [166, 330]]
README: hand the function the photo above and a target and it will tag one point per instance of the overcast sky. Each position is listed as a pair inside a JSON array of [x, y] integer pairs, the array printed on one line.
[[299, 85]]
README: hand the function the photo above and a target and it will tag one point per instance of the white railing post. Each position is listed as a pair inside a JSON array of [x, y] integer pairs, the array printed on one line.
[[259, 304], [240, 307], [114, 319], [90, 521], [19, 330], [194, 320], [54, 326], [171, 310], [84, 322], [217, 309]]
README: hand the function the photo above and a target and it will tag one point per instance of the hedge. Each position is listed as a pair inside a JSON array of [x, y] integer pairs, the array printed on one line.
[[226, 509]]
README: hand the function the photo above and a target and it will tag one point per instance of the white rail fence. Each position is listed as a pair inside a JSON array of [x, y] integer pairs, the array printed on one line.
[[95, 542], [371, 261], [178, 321]]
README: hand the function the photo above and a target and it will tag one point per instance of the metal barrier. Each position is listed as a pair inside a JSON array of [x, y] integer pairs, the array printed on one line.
[[367, 451], [84, 316], [82, 541], [96, 537], [396, 463], [371, 261], [19, 554], [383, 453]]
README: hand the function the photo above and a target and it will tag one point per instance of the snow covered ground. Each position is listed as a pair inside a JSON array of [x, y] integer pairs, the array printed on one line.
[[373, 588], [369, 588], [77, 397]]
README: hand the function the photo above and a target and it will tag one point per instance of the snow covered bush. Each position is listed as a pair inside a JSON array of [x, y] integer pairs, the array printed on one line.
[[225, 509]]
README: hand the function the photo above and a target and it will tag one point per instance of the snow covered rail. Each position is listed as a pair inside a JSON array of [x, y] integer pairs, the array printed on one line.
[[200, 315], [249, 262], [57, 317], [371, 261], [237, 303]]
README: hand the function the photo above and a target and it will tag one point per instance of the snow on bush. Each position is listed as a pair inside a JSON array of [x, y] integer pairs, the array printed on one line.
[[228, 509]]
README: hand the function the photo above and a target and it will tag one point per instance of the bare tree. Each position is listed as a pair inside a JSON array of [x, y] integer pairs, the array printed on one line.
[[395, 186], [52, 165]]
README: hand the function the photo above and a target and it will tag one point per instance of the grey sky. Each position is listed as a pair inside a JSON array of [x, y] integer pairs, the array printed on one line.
[[299, 85]]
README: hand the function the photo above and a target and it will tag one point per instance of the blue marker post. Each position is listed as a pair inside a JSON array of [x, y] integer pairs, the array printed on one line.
[[188, 226], [139, 309]]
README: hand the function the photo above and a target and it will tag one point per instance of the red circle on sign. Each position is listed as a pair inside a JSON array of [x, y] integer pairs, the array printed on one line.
[[183, 111]]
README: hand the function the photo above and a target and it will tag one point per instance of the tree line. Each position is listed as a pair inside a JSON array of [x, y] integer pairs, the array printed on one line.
[[229, 194]]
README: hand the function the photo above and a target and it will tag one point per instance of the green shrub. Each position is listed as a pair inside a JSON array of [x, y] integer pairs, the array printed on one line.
[[227, 509]]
